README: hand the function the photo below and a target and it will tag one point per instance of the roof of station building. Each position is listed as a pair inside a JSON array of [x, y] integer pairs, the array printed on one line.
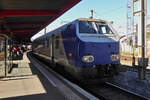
[[24, 18]]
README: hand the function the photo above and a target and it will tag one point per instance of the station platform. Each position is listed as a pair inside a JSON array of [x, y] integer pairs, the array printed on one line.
[[30, 80], [25, 82]]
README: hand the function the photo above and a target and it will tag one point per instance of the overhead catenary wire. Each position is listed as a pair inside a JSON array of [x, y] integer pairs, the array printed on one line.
[[108, 12]]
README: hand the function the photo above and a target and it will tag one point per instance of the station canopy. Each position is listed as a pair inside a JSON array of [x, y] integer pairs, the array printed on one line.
[[21, 19]]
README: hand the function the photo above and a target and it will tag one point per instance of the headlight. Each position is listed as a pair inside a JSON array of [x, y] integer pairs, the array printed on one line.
[[88, 58], [115, 57]]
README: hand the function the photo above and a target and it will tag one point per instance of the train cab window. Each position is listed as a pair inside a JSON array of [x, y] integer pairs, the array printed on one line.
[[103, 28], [86, 27]]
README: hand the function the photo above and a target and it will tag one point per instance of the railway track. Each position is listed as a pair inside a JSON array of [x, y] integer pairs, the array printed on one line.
[[109, 91], [133, 68], [130, 93], [130, 58], [129, 67]]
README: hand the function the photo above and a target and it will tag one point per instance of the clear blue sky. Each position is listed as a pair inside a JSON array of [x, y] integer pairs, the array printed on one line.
[[110, 10]]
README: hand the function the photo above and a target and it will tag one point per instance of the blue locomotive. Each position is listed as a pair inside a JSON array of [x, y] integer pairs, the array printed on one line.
[[86, 48]]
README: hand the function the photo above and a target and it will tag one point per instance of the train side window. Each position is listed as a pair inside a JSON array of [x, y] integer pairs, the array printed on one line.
[[46, 43], [57, 42], [69, 27], [41, 43]]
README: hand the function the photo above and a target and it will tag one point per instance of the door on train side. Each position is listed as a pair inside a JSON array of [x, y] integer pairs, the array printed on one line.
[[50, 48], [53, 48], [71, 43], [57, 47]]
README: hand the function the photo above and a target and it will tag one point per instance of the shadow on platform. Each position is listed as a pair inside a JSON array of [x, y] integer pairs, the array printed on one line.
[[13, 66], [48, 92]]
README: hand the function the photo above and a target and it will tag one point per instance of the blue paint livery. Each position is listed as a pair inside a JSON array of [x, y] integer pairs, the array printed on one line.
[[74, 46]]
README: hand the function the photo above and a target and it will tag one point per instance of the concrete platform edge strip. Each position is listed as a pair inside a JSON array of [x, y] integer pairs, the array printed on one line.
[[80, 91]]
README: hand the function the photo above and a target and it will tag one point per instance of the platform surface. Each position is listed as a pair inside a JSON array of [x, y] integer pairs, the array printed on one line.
[[25, 82]]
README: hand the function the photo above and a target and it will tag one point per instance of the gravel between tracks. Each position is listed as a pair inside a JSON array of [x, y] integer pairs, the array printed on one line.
[[130, 81]]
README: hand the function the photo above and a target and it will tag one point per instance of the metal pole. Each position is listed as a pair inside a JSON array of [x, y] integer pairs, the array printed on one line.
[[133, 38], [142, 60], [5, 45]]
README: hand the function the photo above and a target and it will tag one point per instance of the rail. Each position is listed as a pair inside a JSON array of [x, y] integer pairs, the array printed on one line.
[[127, 91]]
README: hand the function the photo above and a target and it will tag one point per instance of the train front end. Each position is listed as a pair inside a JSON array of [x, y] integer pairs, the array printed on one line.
[[98, 48]]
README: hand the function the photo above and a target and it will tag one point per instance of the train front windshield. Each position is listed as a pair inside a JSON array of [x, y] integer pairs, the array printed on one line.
[[103, 28], [86, 27], [89, 27]]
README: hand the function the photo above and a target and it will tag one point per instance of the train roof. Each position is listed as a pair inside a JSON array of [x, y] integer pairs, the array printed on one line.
[[90, 19], [64, 26], [53, 31]]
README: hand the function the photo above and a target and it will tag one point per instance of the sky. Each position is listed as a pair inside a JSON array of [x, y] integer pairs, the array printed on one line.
[[110, 10]]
